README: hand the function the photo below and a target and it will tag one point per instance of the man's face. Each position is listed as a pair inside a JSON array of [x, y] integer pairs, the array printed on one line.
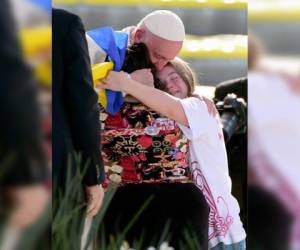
[[161, 51]]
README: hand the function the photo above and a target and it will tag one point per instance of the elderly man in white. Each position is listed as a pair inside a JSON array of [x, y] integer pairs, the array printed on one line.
[[161, 31]]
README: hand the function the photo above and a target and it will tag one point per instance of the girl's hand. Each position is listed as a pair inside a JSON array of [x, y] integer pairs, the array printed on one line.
[[115, 81], [143, 76], [121, 81]]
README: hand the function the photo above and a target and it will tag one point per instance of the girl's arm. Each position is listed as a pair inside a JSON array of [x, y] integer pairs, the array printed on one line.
[[156, 99]]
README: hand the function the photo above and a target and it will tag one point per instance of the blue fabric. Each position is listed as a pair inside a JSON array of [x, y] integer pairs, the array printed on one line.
[[114, 43]]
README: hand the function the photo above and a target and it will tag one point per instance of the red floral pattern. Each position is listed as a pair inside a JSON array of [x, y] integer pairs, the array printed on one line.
[[161, 157], [115, 122], [145, 141]]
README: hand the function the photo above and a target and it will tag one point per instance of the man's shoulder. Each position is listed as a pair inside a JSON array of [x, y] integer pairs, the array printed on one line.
[[63, 18], [63, 14]]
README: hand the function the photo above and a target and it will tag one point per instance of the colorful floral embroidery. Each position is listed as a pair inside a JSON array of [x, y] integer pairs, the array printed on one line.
[[133, 156]]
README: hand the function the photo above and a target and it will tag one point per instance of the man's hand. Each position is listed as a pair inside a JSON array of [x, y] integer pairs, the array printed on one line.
[[95, 196], [209, 103], [143, 76]]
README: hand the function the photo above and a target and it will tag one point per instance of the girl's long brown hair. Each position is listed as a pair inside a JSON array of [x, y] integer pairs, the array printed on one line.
[[183, 69]]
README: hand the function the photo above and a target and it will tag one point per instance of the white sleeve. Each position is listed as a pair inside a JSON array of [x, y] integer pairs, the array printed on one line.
[[96, 53], [200, 121]]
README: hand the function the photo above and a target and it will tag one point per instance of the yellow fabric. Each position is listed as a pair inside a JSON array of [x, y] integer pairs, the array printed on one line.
[[100, 71]]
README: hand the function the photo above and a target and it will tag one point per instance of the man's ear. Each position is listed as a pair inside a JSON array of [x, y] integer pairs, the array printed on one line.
[[139, 35]]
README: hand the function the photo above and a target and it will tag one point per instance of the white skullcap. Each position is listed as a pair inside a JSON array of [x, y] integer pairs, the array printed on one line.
[[164, 24]]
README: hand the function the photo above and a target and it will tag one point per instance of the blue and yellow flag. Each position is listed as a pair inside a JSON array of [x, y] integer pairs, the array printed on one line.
[[114, 43]]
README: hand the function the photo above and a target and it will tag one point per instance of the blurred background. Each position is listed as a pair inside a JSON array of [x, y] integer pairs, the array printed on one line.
[[34, 32], [25, 129], [274, 125], [216, 43], [276, 24]]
